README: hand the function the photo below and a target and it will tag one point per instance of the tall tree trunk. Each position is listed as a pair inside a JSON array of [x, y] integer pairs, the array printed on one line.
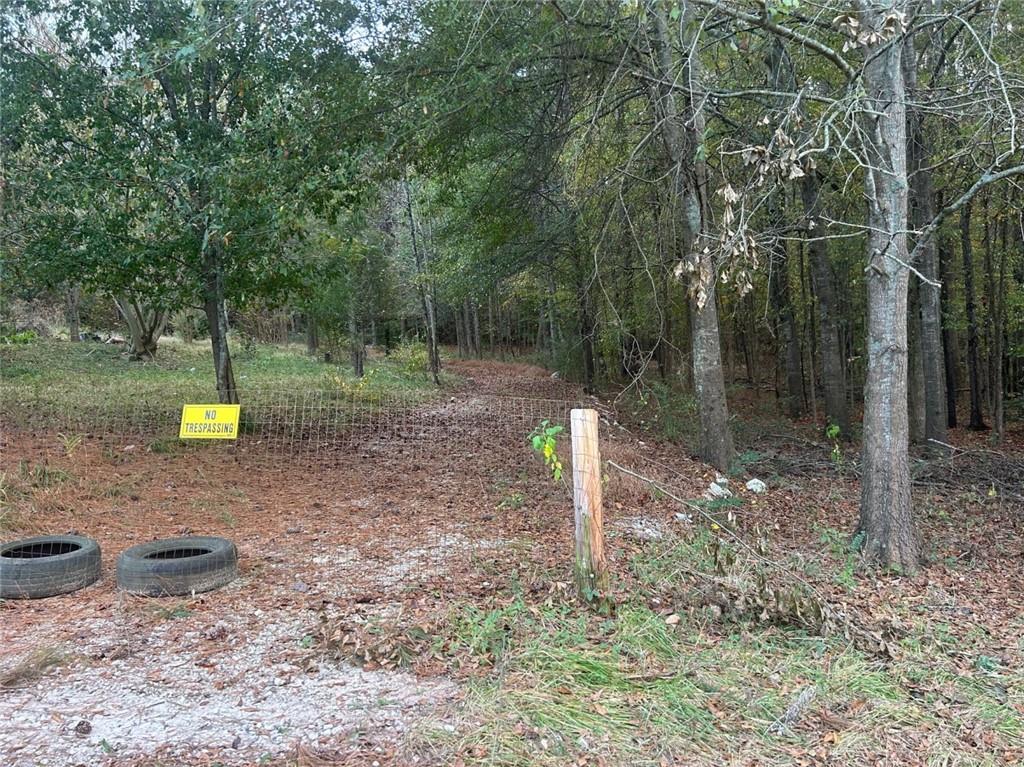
[[683, 133], [467, 326], [928, 319], [788, 341], [886, 518], [587, 329], [356, 347], [72, 300], [915, 370], [477, 346], [460, 334], [781, 77], [997, 303], [977, 420], [490, 324], [312, 336], [949, 338], [829, 343], [215, 306], [426, 292]]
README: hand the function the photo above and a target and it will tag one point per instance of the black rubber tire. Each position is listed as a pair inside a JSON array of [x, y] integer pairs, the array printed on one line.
[[177, 566], [47, 565]]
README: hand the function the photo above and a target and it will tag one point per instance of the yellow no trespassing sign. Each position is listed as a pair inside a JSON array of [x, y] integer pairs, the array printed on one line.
[[209, 422]]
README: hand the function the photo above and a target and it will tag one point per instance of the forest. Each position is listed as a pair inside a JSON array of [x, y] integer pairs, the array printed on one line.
[[656, 198]]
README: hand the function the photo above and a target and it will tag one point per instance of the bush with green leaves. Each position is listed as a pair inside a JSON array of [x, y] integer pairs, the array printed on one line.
[[412, 358]]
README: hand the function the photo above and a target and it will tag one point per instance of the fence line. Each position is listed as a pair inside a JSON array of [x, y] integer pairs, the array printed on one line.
[[308, 423]]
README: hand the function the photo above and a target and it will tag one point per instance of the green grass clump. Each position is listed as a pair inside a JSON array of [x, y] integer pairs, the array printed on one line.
[[562, 685]]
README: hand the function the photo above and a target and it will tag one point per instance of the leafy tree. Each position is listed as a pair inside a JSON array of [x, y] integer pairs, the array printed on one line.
[[185, 142]]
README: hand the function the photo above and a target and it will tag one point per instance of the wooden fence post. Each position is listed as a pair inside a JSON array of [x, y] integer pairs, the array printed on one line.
[[590, 568]]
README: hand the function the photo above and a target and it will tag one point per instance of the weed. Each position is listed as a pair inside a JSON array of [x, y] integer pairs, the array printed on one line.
[[543, 440], [164, 445], [41, 475], [227, 518], [173, 612], [512, 500], [32, 667], [70, 443]]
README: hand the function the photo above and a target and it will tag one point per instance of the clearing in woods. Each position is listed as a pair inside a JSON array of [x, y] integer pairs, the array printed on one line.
[[415, 608]]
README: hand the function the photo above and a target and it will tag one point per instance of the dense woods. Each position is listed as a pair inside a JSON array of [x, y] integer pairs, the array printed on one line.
[[668, 198]]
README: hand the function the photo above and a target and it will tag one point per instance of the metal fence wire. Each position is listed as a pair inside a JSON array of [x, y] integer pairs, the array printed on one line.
[[413, 484], [314, 425]]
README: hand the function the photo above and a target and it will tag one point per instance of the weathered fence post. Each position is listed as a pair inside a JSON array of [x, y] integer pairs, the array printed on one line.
[[590, 568]]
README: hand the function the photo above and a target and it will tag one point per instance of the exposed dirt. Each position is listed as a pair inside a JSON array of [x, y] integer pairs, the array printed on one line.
[[446, 506]]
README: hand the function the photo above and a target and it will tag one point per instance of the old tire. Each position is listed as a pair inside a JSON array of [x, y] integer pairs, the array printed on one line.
[[47, 565], [177, 566]]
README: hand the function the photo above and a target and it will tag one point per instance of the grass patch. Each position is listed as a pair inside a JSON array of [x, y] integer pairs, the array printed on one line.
[[88, 387], [32, 667], [549, 683]]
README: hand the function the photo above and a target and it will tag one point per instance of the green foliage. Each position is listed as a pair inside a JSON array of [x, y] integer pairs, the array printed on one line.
[[19, 337], [543, 441], [412, 358], [45, 381], [832, 432], [184, 147]]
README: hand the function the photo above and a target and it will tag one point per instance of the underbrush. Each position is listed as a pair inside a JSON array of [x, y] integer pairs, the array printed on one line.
[[696, 666]]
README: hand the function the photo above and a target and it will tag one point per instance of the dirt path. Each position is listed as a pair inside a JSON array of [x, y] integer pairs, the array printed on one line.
[[417, 511], [229, 676]]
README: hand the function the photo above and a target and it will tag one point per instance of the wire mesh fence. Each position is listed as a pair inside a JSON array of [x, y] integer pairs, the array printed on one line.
[[220, 567], [316, 425], [403, 479]]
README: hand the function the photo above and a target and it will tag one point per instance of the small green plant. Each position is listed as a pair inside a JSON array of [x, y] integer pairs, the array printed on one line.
[[542, 439], [40, 475], [512, 500], [19, 338], [412, 358], [845, 577], [163, 445], [848, 549], [173, 613], [832, 432], [70, 443]]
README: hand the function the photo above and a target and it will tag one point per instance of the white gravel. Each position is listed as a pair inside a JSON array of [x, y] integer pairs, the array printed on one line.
[[216, 694]]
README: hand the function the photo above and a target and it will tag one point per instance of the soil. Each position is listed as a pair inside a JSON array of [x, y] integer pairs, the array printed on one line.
[[444, 506]]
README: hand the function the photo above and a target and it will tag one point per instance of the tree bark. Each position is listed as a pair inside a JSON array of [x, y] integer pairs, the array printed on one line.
[[426, 292], [460, 334], [915, 370], [829, 343], [886, 526], [929, 296], [356, 347], [215, 306], [789, 355], [587, 338], [977, 420], [996, 302], [72, 300], [683, 134], [477, 347], [949, 337], [145, 326], [788, 341], [312, 336]]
